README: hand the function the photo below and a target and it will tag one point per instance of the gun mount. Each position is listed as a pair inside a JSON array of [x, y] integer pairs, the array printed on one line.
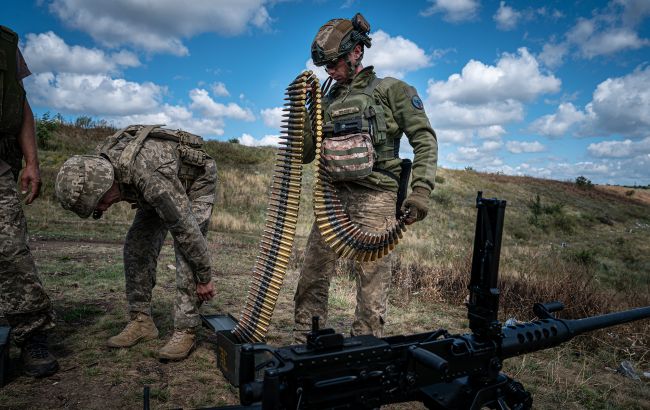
[[441, 370]]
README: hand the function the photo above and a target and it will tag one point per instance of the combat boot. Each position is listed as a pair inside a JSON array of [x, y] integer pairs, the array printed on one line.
[[36, 357], [179, 346], [139, 329]]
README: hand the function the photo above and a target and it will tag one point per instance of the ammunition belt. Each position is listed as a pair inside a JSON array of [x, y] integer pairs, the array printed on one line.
[[283, 205], [347, 238]]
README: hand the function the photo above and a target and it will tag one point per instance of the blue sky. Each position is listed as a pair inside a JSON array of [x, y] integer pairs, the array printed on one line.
[[552, 89]]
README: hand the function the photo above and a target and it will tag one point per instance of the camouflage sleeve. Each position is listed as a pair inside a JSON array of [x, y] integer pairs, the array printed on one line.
[[408, 111], [164, 191]]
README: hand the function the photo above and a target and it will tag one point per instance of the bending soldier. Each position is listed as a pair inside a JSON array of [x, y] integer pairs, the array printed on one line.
[[359, 102], [23, 300], [172, 182]]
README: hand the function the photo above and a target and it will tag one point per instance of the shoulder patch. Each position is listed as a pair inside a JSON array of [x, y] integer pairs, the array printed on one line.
[[417, 102]]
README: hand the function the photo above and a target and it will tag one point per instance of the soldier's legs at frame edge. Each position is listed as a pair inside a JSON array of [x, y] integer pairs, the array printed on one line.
[[312, 292], [187, 320], [23, 300], [374, 211], [141, 249]]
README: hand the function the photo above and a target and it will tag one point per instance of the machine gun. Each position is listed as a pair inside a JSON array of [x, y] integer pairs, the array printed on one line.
[[442, 371]]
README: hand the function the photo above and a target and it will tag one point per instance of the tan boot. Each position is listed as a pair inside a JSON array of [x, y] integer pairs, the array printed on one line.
[[140, 328], [179, 346]]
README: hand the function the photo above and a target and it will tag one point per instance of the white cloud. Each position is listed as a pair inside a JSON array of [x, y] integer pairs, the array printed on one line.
[[610, 30], [621, 106], [591, 42], [394, 56], [219, 89], [453, 11], [489, 146], [159, 26], [202, 102], [174, 117], [267, 140], [93, 94], [447, 136], [493, 132], [272, 117], [47, 52], [552, 55], [485, 96], [518, 147], [620, 149], [558, 124], [506, 17], [515, 76]]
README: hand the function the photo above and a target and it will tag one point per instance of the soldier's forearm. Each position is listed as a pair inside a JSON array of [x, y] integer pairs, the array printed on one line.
[[27, 137]]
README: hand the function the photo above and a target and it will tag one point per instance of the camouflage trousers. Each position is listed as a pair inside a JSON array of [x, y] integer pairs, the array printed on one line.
[[23, 300], [373, 210], [142, 247]]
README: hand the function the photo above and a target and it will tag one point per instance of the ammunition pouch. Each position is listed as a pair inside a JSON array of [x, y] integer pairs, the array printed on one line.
[[348, 157]]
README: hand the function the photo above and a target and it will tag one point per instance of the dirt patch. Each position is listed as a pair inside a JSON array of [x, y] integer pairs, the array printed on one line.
[[637, 195]]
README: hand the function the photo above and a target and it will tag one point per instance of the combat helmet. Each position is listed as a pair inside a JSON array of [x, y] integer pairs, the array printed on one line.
[[82, 181], [337, 38]]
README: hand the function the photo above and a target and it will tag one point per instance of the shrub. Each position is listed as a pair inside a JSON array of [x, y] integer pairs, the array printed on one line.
[[440, 179], [583, 183], [45, 127]]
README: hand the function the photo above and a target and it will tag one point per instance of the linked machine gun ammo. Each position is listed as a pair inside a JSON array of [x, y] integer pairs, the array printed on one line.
[[441, 370]]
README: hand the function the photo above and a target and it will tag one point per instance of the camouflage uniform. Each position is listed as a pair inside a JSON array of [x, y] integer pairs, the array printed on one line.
[[370, 202], [23, 300], [170, 196]]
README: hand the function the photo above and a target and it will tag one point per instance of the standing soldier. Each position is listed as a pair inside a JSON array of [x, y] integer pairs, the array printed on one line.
[[22, 297], [359, 102], [172, 182]]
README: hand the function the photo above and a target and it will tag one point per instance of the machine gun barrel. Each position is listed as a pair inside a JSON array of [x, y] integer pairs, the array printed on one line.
[[550, 332]]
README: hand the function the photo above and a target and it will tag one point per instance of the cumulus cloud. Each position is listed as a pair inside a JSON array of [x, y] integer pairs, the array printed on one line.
[[453, 11], [620, 149], [518, 147], [558, 124], [219, 89], [159, 27], [272, 117], [506, 17], [47, 52], [267, 140], [93, 94], [621, 106], [484, 95], [174, 117], [394, 56], [610, 30], [202, 102]]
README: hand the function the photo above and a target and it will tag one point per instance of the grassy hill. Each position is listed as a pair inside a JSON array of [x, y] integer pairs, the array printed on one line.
[[588, 246]]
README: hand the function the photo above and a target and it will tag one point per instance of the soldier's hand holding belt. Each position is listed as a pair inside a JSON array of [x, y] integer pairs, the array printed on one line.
[[417, 205], [205, 291]]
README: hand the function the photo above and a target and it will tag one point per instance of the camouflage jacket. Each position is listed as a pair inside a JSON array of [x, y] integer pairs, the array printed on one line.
[[155, 185], [404, 114]]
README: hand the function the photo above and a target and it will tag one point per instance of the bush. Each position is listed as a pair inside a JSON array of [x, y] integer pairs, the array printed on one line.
[[233, 141], [583, 183], [440, 179], [45, 127]]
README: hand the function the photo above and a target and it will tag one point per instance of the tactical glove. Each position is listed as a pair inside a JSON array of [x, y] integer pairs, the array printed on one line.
[[417, 203]]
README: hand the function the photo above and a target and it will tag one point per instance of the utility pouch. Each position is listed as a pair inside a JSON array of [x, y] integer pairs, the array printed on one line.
[[377, 123], [348, 157], [404, 177]]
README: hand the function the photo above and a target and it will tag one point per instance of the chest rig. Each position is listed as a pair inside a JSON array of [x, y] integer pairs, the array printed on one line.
[[12, 100], [123, 147], [358, 112]]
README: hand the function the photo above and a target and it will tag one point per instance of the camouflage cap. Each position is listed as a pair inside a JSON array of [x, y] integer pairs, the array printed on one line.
[[338, 37], [82, 181]]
